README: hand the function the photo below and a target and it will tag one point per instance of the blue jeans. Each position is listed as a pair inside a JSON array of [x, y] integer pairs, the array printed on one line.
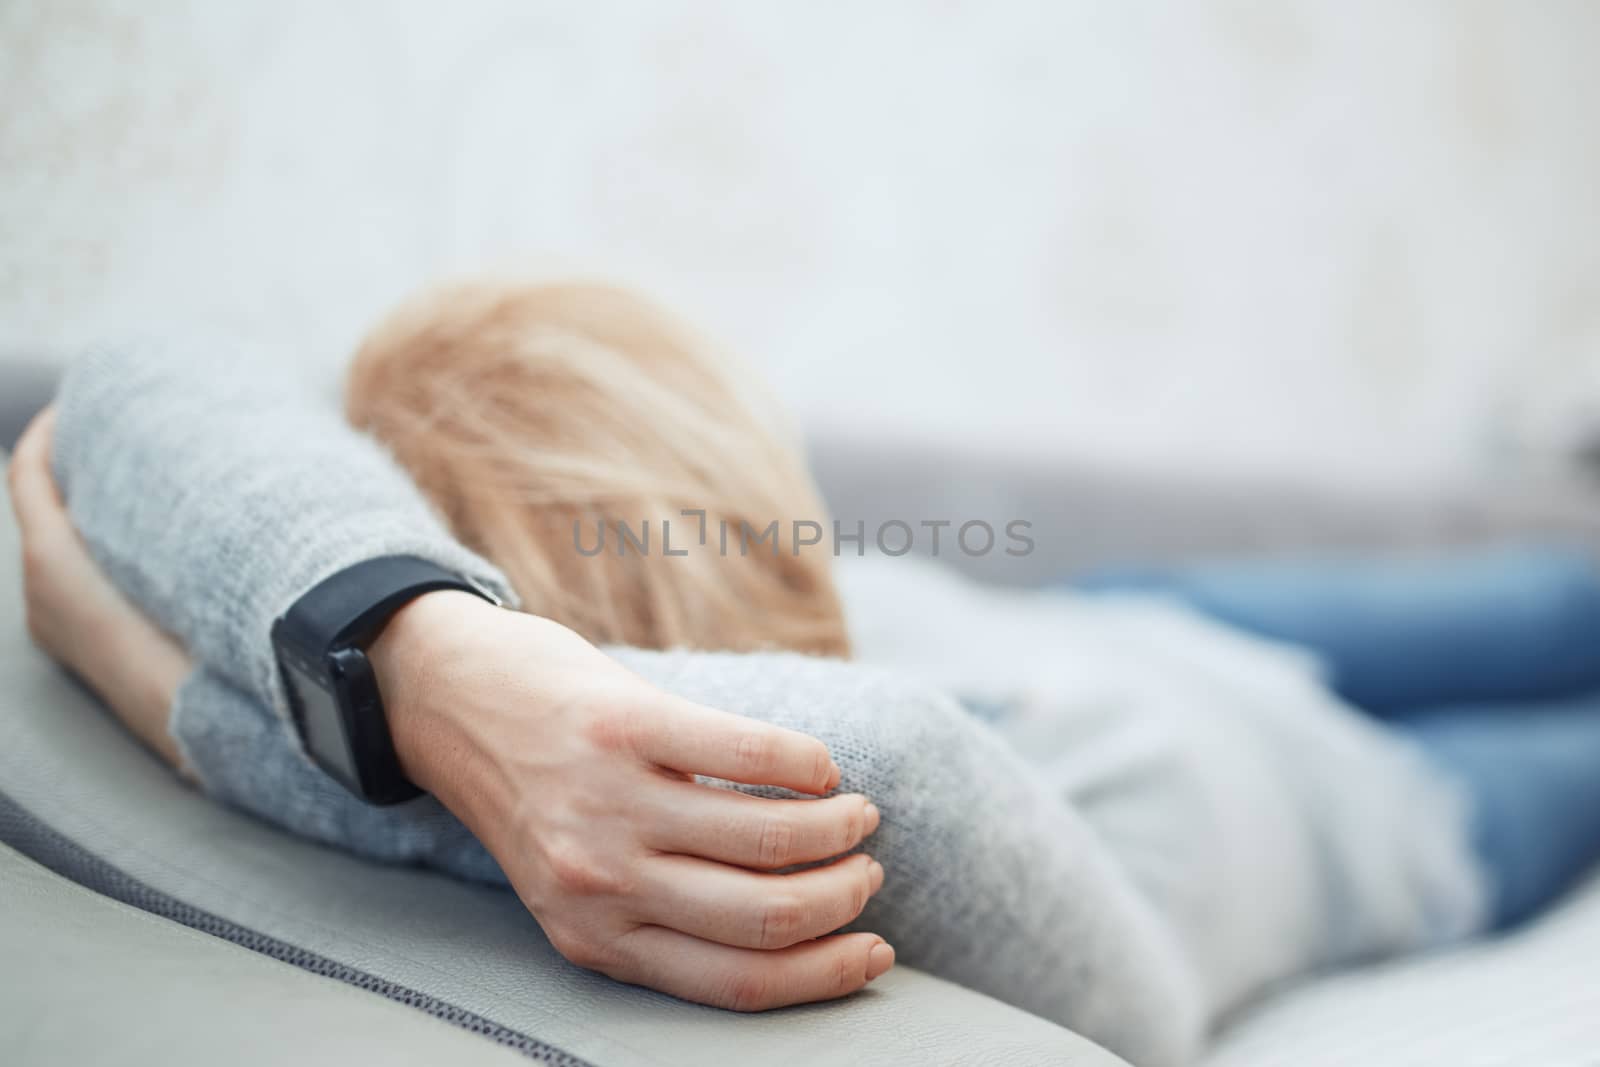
[[1489, 660]]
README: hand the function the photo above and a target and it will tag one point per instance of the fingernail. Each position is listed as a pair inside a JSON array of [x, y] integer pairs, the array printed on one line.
[[873, 816], [875, 875], [880, 959], [834, 777]]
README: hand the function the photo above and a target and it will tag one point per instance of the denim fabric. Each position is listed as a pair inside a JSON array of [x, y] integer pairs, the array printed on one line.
[[1533, 770], [1519, 623]]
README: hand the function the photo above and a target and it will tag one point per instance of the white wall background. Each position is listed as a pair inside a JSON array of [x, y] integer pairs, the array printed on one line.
[[1359, 240]]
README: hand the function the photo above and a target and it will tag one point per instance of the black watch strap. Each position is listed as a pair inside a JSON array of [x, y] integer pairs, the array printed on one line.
[[321, 642], [350, 607]]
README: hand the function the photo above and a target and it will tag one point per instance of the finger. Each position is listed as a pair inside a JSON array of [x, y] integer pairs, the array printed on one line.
[[743, 979], [698, 740], [730, 827], [747, 909], [40, 513]]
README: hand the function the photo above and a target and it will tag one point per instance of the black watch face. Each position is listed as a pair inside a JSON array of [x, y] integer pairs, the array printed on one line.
[[320, 722]]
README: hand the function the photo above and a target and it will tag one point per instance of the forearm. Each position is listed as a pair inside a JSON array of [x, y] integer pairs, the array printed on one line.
[[215, 493], [137, 671]]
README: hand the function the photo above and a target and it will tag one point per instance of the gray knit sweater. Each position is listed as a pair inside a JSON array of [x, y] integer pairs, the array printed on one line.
[[1152, 823]]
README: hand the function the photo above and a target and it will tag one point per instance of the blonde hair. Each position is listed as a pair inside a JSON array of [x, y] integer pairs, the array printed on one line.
[[536, 418]]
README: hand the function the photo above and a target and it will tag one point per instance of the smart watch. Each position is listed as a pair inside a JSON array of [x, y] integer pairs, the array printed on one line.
[[333, 692]]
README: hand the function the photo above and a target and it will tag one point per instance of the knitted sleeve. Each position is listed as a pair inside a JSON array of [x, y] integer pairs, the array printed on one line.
[[215, 491]]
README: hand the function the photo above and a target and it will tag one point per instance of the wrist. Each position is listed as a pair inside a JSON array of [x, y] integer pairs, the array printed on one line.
[[412, 659]]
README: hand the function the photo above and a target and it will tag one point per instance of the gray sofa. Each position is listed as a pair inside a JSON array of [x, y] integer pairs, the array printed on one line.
[[143, 924]]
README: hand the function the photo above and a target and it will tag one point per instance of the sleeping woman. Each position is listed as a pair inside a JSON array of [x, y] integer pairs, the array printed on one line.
[[749, 773]]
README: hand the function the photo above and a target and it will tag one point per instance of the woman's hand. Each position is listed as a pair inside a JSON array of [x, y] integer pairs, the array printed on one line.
[[578, 777], [77, 616], [574, 773]]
